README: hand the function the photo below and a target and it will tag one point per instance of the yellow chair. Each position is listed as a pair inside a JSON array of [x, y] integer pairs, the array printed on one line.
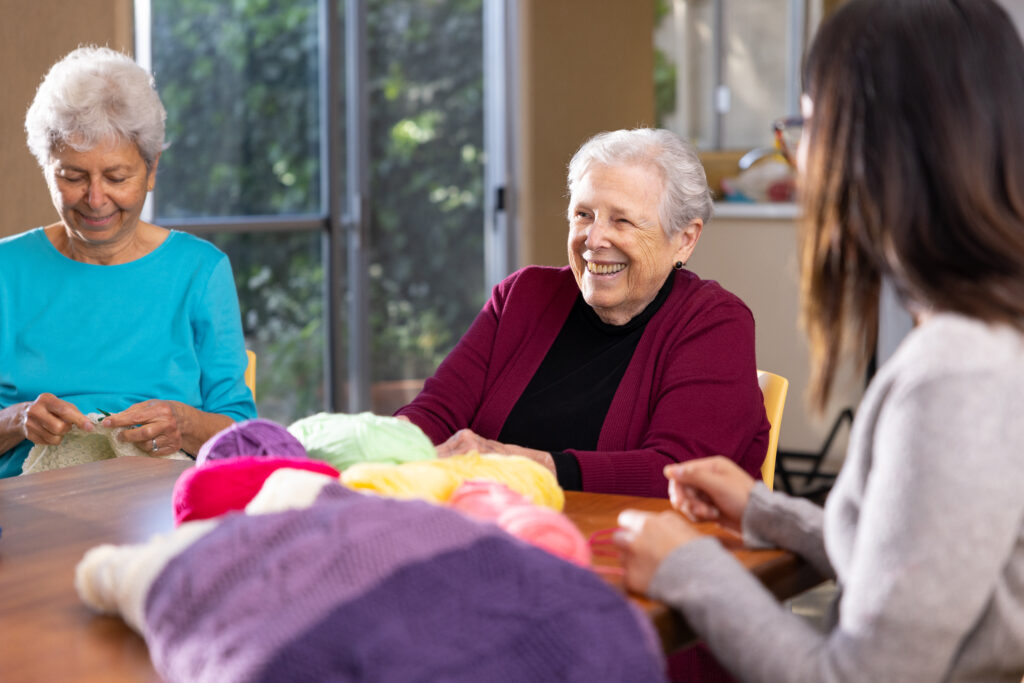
[[773, 389], [250, 373]]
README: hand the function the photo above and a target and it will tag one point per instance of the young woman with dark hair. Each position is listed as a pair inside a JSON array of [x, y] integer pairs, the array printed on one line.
[[911, 169]]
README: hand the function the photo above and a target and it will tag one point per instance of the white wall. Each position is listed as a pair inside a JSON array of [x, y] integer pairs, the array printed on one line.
[[756, 259]]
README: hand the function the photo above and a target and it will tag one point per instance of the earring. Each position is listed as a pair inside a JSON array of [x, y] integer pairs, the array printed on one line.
[[678, 265]]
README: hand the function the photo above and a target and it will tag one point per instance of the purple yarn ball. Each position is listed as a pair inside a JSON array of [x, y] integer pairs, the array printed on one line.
[[251, 437]]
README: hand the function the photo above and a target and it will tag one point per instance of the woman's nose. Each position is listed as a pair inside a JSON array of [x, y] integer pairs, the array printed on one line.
[[97, 195], [597, 234]]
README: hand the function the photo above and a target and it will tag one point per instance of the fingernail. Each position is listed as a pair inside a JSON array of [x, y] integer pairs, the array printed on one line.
[[106, 422]]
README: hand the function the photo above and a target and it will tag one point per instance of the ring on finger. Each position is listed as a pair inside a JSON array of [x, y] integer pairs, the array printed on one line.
[[155, 447]]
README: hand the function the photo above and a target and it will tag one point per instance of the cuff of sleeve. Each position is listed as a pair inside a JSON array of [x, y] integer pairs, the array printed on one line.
[[567, 468], [755, 517], [676, 572]]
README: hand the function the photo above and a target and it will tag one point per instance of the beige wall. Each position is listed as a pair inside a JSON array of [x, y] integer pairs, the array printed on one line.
[[33, 35], [756, 259], [581, 71]]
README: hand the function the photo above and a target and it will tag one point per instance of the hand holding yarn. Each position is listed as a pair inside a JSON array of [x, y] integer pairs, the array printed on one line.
[[646, 539], [47, 419], [154, 426], [712, 488]]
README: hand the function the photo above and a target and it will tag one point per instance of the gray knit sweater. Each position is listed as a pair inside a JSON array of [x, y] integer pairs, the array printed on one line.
[[923, 532]]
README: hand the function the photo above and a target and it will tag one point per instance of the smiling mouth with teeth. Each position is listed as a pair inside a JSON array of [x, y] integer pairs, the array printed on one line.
[[604, 269]]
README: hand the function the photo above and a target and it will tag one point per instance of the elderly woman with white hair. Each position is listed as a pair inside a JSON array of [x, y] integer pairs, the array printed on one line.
[[102, 312], [623, 362]]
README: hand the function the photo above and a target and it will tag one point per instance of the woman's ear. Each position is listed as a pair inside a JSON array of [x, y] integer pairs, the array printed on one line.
[[688, 239], [151, 173]]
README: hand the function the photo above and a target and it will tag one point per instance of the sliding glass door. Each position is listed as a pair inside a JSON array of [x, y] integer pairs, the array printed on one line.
[[335, 150]]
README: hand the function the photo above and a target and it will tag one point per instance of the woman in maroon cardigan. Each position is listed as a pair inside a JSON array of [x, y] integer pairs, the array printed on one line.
[[611, 368]]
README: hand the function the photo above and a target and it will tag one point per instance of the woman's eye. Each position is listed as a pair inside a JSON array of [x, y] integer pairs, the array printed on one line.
[[117, 180]]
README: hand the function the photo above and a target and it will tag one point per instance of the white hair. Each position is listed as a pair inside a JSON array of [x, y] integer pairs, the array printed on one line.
[[91, 95], [684, 195]]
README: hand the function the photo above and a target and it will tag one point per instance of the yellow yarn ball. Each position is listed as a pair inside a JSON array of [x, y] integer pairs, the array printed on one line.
[[410, 480], [436, 480]]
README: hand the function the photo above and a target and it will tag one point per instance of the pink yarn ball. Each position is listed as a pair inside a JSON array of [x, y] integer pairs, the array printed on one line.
[[539, 526], [226, 485], [484, 499], [251, 437], [547, 529]]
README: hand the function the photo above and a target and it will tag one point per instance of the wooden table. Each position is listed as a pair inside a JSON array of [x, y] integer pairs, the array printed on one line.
[[49, 520]]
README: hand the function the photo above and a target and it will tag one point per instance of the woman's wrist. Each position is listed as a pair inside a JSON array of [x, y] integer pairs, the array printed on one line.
[[196, 426], [12, 426]]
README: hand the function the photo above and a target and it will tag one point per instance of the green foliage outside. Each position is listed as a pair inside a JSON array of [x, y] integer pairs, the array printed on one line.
[[426, 148], [240, 80]]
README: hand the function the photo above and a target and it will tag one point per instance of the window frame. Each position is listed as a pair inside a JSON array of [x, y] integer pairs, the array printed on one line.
[[345, 185]]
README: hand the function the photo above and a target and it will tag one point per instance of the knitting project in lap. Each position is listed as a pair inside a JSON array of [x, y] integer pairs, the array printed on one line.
[[79, 446], [357, 587]]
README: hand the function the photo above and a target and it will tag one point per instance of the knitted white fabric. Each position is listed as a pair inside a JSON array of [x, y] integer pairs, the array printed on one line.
[[79, 446]]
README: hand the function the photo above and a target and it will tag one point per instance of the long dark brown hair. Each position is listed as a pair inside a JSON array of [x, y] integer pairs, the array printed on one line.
[[914, 171]]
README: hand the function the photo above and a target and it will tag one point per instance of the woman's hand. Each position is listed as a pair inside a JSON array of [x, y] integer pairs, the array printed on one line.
[[466, 440], [712, 488], [47, 419], [163, 427], [646, 539], [155, 426]]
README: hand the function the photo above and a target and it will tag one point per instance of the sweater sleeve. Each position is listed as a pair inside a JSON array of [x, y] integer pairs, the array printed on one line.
[[936, 555], [220, 347], [775, 520], [695, 395]]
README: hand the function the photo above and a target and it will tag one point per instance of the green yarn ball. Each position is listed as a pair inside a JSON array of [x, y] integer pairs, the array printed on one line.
[[343, 440]]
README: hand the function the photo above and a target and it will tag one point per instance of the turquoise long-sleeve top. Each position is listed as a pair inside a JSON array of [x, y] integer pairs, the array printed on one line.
[[165, 326]]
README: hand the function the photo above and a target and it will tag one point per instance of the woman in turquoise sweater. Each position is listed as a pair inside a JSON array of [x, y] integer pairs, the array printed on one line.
[[102, 311]]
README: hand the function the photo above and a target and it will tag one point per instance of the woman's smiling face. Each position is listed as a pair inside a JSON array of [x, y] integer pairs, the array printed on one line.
[[618, 250], [100, 192]]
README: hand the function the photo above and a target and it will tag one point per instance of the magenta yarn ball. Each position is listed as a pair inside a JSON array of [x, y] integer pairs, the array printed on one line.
[[251, 437]]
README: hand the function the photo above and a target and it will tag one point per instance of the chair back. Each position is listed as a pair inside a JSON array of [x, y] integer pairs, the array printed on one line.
[[250, 373], [773, 389]]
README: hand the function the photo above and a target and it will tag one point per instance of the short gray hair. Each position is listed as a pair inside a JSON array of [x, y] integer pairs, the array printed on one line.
[[93, 94], [685, 194]]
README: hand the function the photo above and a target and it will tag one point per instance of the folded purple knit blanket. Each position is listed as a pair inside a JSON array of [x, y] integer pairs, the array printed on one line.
[[361, 588]]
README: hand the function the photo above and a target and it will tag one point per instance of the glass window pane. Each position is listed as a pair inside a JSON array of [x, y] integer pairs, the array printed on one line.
[[426, 154], [756, 70], [754, 53], [280, 280], [240, 84]]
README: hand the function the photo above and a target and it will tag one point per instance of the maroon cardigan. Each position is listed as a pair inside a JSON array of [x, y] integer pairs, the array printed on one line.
[[690, 389]]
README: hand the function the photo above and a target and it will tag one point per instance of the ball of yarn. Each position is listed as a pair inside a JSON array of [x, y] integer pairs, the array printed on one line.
[[539, 526], [484, 499], [344, 440], [225, 485], [250, 437], [522, 475], [436, 480], [547, 529], [414, 480]]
